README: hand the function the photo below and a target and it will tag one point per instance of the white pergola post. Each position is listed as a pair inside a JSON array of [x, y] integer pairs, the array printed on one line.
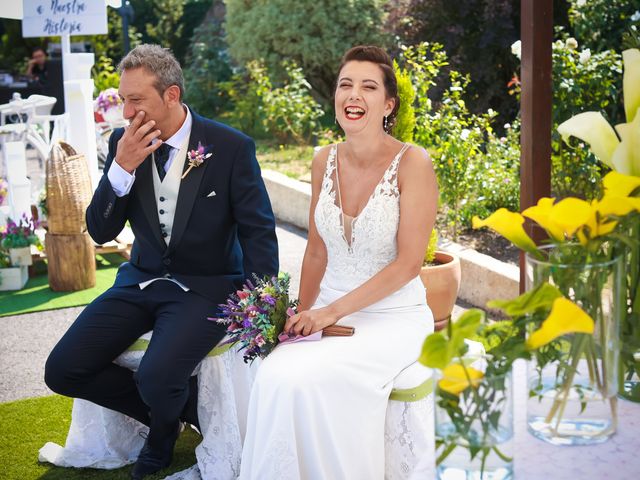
[[78, 100]]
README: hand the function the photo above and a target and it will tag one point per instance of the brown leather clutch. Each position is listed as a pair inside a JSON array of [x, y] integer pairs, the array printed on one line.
[[338, 331]]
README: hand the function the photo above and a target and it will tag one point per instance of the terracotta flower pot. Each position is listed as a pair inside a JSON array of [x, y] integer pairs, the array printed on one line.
[[442, 282]]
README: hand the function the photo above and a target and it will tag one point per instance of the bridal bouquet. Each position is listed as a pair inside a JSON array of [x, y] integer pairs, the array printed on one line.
[[255, 317]]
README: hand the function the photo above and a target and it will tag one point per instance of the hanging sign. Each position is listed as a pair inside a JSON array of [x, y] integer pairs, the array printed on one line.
[[47, 18]]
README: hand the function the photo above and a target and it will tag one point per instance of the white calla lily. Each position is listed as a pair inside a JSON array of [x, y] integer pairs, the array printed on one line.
[[631, 82], [620, 151], [626, 158], [591, 127]]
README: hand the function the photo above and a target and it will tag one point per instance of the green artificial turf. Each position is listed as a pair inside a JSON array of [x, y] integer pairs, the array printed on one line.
[[37, 296], [28, 424]]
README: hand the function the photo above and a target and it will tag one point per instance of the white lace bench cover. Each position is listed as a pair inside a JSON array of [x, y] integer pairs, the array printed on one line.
[[101, 438]]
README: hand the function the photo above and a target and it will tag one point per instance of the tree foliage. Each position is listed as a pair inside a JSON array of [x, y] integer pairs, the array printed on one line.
[[208, 65], [170, 23], [406, 118], [476, 34], [313, 34], [601, 24]]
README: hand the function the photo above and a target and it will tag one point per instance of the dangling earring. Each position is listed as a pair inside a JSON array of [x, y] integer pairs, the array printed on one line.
[[386, 123]]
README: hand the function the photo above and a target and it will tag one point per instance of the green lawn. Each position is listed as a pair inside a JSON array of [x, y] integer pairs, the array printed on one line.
[[37, 296], [28, 424], [292, 160]]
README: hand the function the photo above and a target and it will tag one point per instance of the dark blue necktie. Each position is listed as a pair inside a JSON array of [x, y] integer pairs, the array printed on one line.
[[161, 157]]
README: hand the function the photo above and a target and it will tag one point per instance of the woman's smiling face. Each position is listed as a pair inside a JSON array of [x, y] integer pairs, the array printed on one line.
[[361, 101]]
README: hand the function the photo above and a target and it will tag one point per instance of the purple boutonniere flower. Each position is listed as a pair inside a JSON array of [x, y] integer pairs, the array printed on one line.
[[196, 158]]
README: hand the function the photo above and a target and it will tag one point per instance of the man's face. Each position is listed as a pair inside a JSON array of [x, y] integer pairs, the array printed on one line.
[[138, 93], [39, 57]]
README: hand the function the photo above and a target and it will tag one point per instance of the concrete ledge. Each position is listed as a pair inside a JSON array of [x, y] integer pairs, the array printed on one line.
[[290, 199], [483, 277]]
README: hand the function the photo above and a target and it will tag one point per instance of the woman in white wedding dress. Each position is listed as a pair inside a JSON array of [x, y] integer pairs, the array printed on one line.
[[317, 408]]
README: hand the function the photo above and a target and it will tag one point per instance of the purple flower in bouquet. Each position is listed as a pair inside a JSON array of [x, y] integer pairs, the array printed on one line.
[[256, 315]]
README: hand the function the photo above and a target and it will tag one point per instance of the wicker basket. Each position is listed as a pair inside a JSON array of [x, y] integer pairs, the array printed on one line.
[[68, 190]]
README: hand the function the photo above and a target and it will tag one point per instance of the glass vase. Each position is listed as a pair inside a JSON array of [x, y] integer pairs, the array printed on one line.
[[474, 428], [573, 381], [629, 380]]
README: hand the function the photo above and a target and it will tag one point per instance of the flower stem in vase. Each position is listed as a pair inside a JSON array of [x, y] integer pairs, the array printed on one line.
[[567, 382]]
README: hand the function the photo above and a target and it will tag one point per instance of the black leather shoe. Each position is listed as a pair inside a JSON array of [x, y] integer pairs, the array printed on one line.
[[155, 455]]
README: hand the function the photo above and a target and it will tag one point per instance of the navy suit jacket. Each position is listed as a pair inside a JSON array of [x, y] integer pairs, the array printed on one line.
[[216, 242]]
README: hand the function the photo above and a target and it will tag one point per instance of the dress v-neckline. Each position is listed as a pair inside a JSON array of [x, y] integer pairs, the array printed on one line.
[[369, 199], [384, 174]]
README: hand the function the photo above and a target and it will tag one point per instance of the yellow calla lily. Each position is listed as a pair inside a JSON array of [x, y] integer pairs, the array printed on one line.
[[599, 222], [614, 205], [626, 157], [631, 82], [509, 225], [570, 214], [619, 184], [592, 128], [540, 214], [454, 380], [565, 317]]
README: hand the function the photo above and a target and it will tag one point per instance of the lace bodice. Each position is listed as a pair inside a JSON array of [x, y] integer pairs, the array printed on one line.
[[372, 245]]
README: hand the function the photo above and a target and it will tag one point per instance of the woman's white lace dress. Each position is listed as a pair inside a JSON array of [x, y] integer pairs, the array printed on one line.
[[317, 409]]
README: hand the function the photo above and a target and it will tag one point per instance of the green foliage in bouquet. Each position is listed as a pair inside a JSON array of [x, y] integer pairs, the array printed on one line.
[[255, 315]]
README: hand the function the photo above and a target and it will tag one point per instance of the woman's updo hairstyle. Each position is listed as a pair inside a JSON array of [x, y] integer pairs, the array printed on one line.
[[373, 54]]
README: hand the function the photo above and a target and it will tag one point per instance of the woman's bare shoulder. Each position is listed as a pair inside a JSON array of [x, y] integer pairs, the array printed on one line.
[[416, 158]]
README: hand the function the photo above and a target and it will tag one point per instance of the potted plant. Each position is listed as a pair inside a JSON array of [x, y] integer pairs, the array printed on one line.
[[11, 278], [17, 239], [440, 275]]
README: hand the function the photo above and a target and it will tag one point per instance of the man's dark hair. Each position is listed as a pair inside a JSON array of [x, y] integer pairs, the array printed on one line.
[[35, 49]]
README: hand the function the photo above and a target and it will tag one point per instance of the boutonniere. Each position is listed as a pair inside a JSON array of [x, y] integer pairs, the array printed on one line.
[[196, 158]]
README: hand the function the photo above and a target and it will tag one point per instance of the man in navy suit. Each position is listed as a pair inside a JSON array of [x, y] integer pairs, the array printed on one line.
[[199, 233]]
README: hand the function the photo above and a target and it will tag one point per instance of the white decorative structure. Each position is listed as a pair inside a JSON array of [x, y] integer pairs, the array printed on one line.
[[78, 99], [19, 184]]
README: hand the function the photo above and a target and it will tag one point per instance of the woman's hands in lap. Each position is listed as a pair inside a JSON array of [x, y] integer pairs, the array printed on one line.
[[310, 321]]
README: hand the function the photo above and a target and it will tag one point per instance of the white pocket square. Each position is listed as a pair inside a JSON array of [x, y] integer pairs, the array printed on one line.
[[212, 194]]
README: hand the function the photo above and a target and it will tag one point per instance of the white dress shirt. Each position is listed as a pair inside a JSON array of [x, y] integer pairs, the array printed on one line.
[[122, 181]]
